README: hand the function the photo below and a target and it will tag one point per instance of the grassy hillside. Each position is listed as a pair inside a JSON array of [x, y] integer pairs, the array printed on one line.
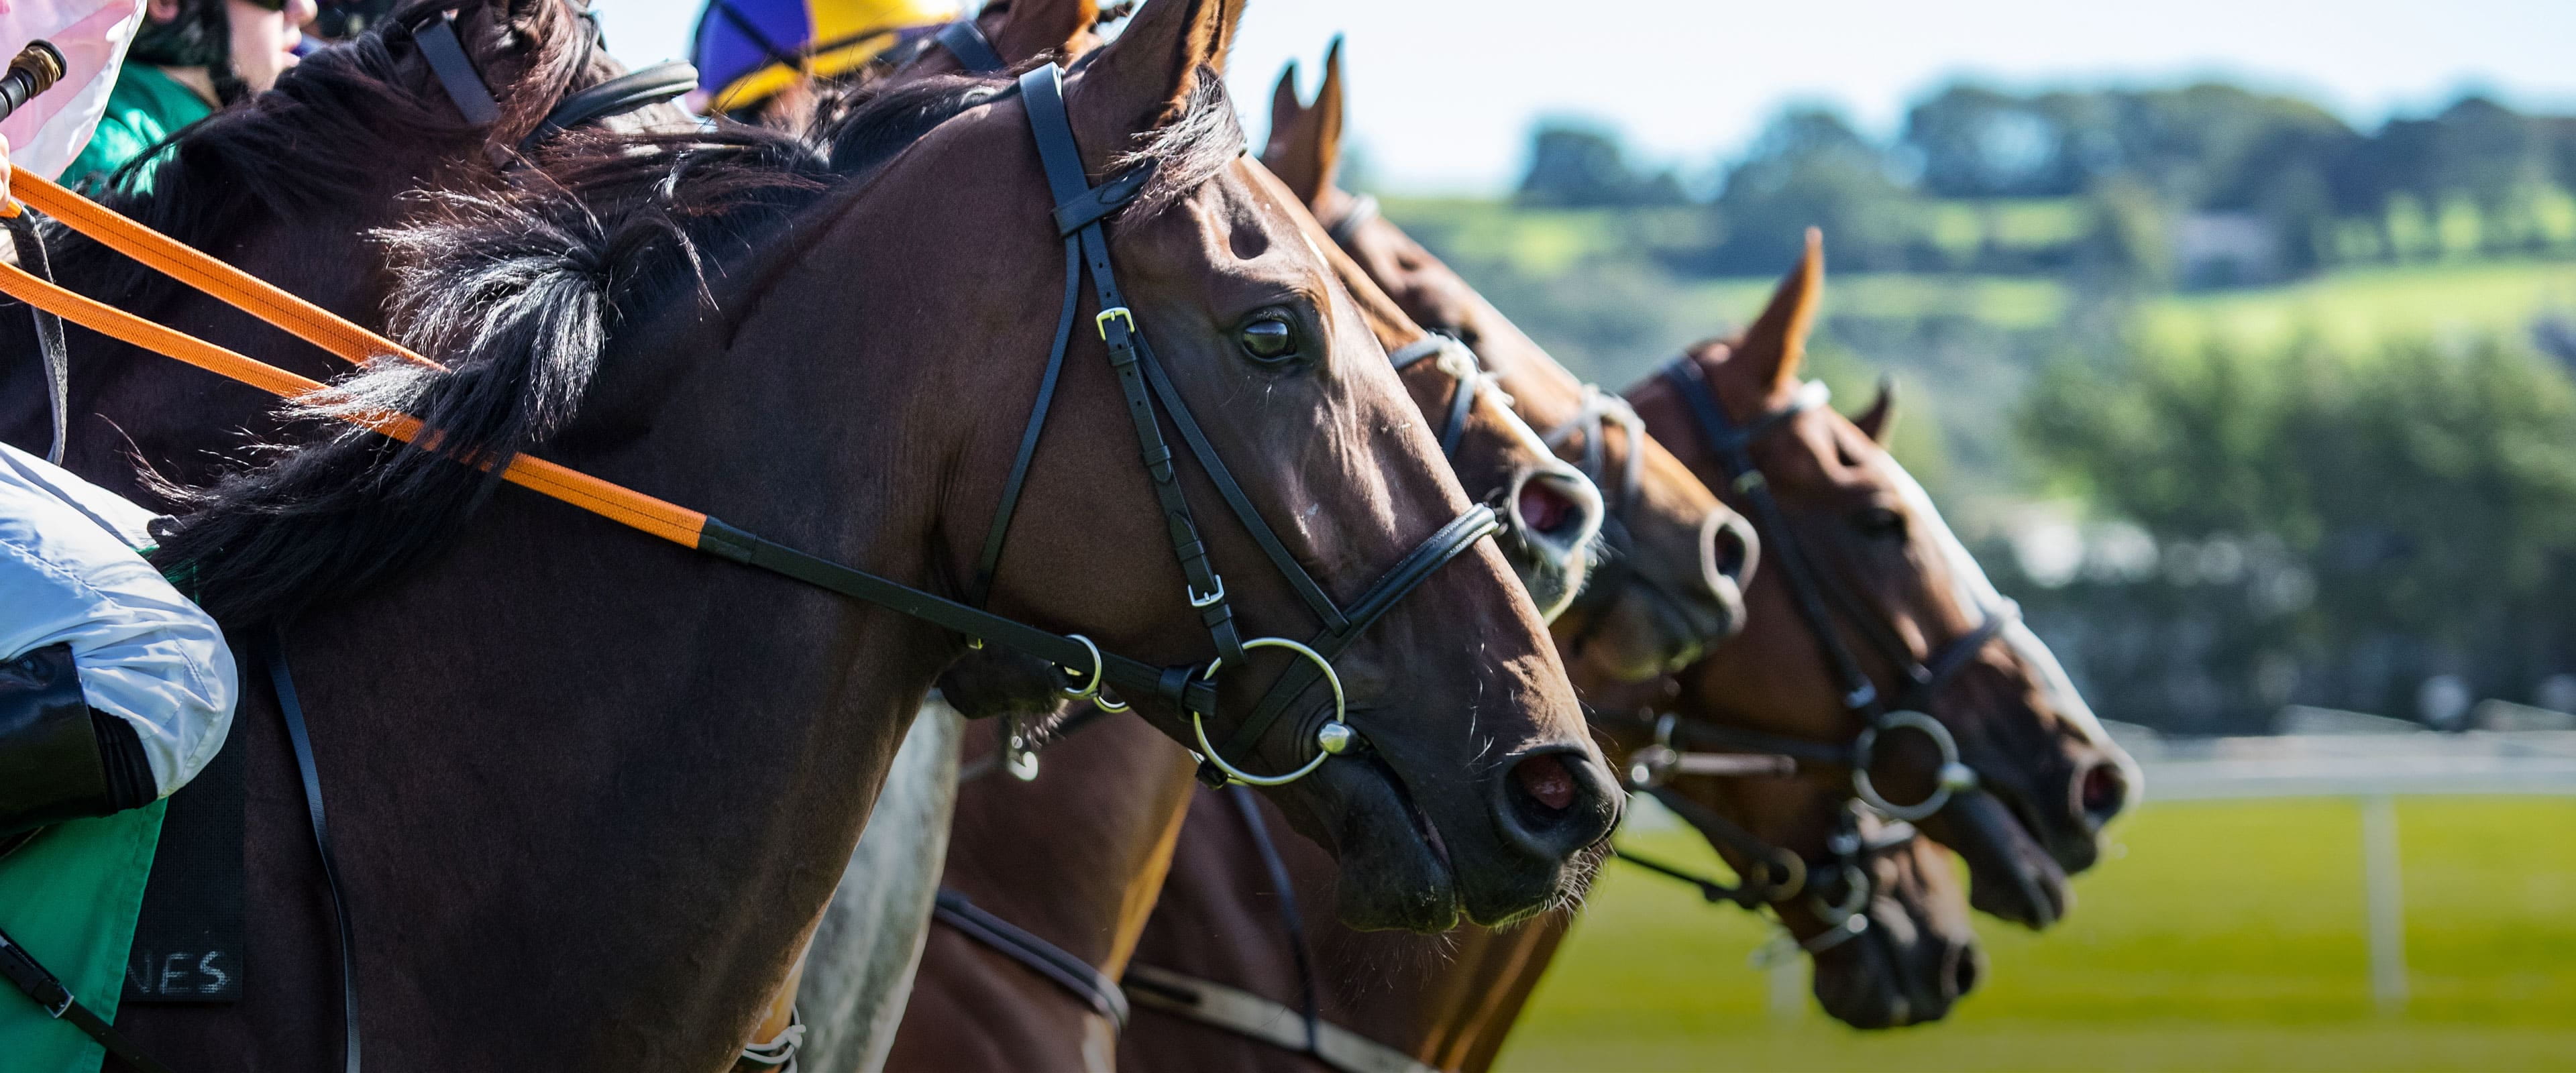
[[2224, 936]]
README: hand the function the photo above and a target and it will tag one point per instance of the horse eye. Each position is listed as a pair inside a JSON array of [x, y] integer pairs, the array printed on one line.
[[1269, 338], [1880, 522]]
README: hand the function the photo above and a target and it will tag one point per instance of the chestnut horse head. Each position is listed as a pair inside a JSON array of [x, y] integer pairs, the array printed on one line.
[[1881, 660], [1669, 582]]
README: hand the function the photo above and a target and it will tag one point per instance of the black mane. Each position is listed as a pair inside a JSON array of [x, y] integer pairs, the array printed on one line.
[[519, 291], [327, 126]]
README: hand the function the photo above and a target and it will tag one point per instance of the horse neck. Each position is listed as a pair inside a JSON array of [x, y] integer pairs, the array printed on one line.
[[1077, 857], [1079, 854], [707, 729], [1447, 1000]]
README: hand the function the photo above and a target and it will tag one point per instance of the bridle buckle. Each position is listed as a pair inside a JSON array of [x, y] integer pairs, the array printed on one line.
[[1113, 313], [1212, 599]]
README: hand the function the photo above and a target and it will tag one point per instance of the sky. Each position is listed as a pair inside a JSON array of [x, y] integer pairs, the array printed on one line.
[[1441, 96]]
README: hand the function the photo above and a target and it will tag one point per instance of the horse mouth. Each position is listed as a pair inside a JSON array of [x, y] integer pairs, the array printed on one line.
[[2010, 875], [1390, 881], [1880, 981]]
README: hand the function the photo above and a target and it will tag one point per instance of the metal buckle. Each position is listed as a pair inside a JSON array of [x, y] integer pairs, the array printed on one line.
[[1954, 776], [1119, 312], [1210, 600], [1332, 739]]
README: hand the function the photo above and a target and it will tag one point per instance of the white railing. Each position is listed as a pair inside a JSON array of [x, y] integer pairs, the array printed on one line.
[[2373, 768]]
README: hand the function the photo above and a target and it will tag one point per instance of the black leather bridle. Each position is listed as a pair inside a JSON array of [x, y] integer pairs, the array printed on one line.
[[1778, 873], [1151, 396]]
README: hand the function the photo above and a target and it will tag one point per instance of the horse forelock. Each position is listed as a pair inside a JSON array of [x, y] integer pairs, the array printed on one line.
[[1201, 139]]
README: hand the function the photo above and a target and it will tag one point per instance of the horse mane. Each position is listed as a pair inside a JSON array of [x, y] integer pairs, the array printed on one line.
[[326, 128], [519, 290]]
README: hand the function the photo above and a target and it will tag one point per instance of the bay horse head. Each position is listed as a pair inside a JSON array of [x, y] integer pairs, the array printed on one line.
[[1479, 784], [1669, 580], [1896, 674]]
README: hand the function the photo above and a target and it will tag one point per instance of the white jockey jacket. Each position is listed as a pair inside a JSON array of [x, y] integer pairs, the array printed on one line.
[[71, 570]]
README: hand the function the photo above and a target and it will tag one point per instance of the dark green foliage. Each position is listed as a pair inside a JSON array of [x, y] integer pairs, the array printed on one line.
[[2387, 516], [1579, 165], [2204, 185]]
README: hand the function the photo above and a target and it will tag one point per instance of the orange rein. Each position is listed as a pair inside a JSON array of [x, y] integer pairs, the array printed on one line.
[[299, 318]]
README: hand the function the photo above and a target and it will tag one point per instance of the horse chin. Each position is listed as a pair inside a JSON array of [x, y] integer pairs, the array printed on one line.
[[1642, 636], [1895, 974], [2010, 875], [1395, 871]]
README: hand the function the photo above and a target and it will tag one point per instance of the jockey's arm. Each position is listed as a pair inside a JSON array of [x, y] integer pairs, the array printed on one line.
[[115, 690]]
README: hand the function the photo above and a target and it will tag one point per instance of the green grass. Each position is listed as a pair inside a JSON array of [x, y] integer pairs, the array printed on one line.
[[2355, 308], [2223, 936]]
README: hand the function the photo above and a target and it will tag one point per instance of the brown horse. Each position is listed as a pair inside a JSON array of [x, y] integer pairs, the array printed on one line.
[[627, 892], [1903, 597], [1076, 855], [1018, 849], [1917, 956]]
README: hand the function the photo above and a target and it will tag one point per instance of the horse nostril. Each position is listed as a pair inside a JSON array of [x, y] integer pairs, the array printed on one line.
[[1731, 549], [1542, 508], [1543, 779], [1966, 962], [1553, 802], [2102, 792]]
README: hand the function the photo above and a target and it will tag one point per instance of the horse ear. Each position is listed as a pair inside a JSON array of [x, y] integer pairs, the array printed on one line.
[[1284, 109], [1873, 421], [1306, 143], [1030, 28], [1147, 76], [1779, 336]]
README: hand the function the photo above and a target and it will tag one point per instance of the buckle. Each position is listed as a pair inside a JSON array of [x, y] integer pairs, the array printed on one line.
[[1210, 600], [1117, 312]]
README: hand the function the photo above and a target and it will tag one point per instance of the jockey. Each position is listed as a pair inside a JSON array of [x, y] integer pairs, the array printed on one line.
[[190, 58], [754, 57], [114, 689]]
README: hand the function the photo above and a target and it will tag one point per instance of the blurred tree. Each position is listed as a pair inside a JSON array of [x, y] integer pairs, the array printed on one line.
[[2422, 502], [1578, 164], [1810, 168]]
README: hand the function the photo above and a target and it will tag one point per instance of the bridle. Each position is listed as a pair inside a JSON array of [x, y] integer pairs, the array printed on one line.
[[1150, 395], [1780, 874]]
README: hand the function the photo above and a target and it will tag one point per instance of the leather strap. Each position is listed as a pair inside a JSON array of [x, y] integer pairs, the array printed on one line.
[[1283, 890], [624, 93], [22, 970], [966, 41], [291, 709], [1734, 451], [1077, 977], [1254, 1017], [727, 542], [1042, 95], [436, 37], [50, 347], [1409, 573]]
